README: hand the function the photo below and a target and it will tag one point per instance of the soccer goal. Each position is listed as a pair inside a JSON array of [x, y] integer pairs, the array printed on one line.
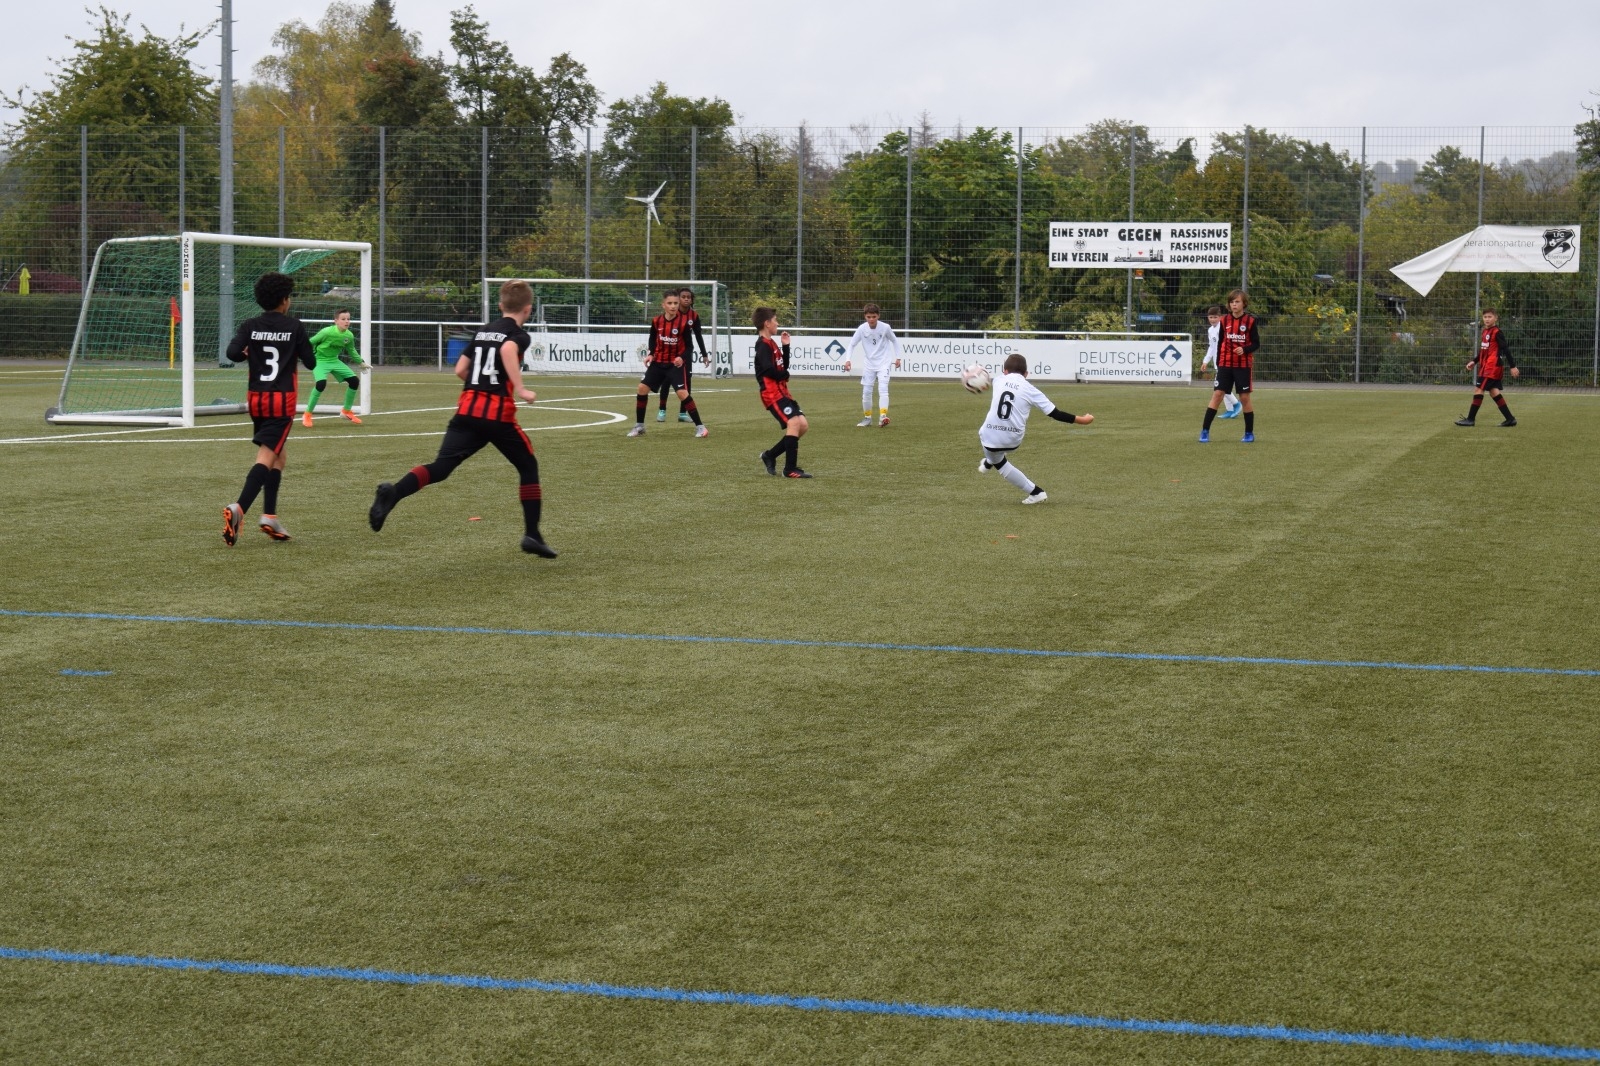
[[158, 313], [601, 325]]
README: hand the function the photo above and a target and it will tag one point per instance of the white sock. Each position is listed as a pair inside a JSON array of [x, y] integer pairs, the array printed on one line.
[[1017, 477]]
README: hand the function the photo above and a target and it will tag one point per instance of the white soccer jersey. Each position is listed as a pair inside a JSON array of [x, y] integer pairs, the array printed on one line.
[[1014, 398], [880, 346], [1211, 346]]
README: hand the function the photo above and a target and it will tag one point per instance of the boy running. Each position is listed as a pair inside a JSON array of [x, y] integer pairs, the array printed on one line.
[[691, 319], [879, 345], [333, 345], [491, 375], [666, 363], [1230, 405], [1237, 341], [772, 375], [1002, 432], [272, 343], [1492, 360]]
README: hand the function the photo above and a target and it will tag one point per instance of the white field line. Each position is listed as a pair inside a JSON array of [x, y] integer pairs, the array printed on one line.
[[611, 418]]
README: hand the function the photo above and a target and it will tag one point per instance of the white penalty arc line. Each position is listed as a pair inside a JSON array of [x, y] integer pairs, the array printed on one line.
[[68, 438], [611, 418]]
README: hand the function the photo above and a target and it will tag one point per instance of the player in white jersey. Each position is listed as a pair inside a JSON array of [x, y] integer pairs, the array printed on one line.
[[1230, 402], [880, 348], [1002, 432]]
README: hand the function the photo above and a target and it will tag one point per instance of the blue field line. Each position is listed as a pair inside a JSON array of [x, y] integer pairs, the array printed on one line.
[[69, 672], [864, 645], [1522, 1049]]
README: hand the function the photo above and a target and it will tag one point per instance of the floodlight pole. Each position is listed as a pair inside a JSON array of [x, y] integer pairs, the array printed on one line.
[[225, 204]]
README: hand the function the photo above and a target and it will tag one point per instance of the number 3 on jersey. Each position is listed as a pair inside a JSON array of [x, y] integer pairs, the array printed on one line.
[[271, 373], [485, 364]]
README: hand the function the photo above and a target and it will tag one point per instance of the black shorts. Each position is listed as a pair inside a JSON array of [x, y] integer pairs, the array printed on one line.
[[271, 433], [1232, 378], [783, 409], [465, 436], [664, 375], [1486, 384], [688, 374]]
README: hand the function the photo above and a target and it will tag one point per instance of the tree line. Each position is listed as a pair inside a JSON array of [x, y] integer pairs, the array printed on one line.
[[357, 85]]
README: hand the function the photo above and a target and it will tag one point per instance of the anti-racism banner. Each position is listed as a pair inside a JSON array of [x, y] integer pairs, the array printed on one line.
[[1495, 250], [1131, 359], [1156, 245]]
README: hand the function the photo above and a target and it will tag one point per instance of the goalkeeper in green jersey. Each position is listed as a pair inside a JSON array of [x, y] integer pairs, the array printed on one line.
[[334, 344]]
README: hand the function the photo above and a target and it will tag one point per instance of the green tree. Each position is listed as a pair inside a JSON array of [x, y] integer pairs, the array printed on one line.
[[647, 137], [130, 90]]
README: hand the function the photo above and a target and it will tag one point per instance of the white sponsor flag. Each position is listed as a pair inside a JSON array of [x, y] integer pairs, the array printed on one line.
[[1496, 250]]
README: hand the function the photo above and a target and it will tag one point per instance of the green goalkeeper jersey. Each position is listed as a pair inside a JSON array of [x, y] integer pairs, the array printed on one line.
[[331, 343]]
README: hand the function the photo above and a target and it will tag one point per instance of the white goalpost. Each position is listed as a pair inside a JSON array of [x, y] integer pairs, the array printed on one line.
[[153, 304]]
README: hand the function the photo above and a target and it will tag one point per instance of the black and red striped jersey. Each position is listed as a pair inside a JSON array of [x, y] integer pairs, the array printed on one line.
[[692, 330], [669, 339], [272, 343], [772, 370], [1237, 340], [486, 391], [1494, 354]]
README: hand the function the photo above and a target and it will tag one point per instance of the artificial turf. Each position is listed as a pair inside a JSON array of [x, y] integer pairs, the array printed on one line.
[[1335, 848]]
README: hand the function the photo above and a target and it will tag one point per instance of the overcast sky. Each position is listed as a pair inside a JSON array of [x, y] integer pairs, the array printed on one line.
[[1033, 63]]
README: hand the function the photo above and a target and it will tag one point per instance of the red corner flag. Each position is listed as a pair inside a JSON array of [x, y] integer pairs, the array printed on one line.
[[177, 316]]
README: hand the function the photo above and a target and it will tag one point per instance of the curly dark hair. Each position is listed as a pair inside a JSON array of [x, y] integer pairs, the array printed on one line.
[[272, 288]]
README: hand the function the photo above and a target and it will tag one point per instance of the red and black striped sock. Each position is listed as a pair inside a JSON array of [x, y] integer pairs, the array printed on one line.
[[253, 481], [416, 479], [694, 412], [1477, 402], [532, 497], [640, 408], [1500, 401]]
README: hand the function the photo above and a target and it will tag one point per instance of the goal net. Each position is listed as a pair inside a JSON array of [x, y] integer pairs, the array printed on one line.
[[158, 313], [602, 325]]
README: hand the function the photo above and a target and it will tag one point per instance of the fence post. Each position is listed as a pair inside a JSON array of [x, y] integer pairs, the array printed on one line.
[[225, 261], [909, 136], [483, 217], [1595, 379], [282, 215], [183, 173], [1244, 257], [1016, 295], [83, 211], [694, 198], [1127, 311], [799, 219], [1477, 277], [383, 232], [1361, 247]]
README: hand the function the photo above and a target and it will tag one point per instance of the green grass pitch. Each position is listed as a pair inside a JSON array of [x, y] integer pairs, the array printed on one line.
[[1331, 848]]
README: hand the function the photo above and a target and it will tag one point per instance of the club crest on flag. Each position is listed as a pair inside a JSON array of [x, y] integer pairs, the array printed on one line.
[[1558, 251]]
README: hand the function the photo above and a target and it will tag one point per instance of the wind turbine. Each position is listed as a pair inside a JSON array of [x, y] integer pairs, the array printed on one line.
[[650, 213]]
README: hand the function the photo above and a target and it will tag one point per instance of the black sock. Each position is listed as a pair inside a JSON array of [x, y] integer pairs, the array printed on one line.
[[412, 483], [532, 504], [791, 451], [639, 410], [1249, 421], [1211, 414], [780, 448], [1500, 401], [269, 493], [694, 412], [252, 485], [663, 401]]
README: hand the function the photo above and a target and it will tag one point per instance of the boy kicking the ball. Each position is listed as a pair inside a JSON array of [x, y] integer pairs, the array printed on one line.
[[1002, 432], [334, 344], [271, 343]]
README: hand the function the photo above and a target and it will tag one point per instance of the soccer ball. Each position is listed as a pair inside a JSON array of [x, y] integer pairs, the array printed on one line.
[[975, 379]]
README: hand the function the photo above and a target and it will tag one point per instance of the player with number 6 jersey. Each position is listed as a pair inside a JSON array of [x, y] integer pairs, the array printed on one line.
[[1007, 423], [271, 343], [491, 374]]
